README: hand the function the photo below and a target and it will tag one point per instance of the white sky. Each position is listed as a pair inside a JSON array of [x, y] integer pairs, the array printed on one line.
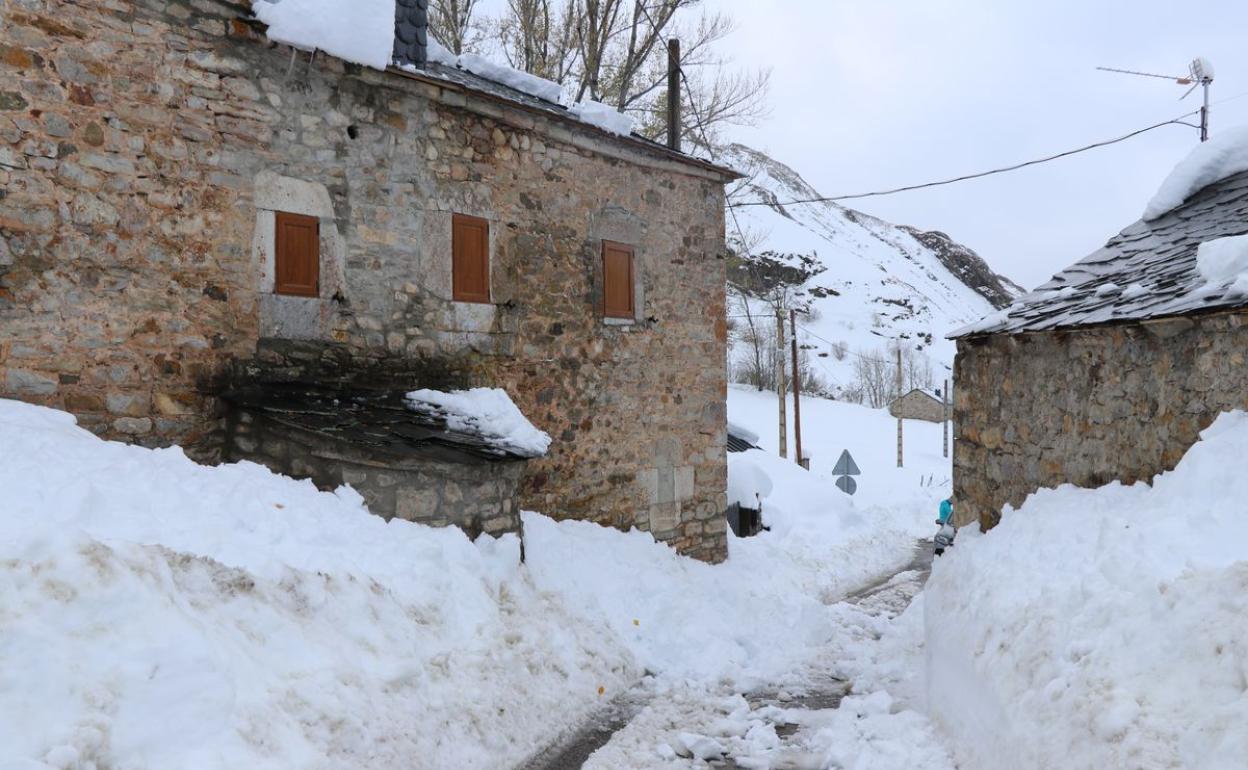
[[868, 94]]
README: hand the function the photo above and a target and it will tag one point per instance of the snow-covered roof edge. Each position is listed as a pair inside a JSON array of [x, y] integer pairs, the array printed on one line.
[[1152, 269], [488, 413], [1223, 155]]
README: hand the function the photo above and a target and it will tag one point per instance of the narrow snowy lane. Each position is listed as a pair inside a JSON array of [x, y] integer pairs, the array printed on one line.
[[797, 723]]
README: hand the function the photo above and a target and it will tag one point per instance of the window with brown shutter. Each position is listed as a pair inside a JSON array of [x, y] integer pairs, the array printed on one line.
[[470, 259], [297, 263], [617, 280]]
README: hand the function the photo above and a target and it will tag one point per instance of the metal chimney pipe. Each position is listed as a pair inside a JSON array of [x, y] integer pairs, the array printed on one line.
[[673, 94]]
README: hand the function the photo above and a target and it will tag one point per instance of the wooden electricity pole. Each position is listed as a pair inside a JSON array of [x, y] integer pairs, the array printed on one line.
[[784, 438], [899, 405], [944, 402], [797, 391]]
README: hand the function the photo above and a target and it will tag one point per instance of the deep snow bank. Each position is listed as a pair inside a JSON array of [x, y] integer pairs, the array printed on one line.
[[761, 616], [155, 613], [1102, 628]]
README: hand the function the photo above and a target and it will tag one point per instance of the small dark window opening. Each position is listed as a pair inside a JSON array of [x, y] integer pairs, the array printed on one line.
[[470, 259], [353, 132], [297, 262], [617, 280]]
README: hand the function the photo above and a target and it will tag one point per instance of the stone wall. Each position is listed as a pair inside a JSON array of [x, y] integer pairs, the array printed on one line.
[[1088, 406], [474, 494], [144, 147]]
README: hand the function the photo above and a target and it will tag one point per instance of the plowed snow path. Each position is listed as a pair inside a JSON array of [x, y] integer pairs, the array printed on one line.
[[798, 723]]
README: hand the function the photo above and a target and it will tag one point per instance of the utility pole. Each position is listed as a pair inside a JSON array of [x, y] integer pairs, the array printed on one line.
[[944, 400], [797, 392], [673, 94], [784, 437], [1204, 111], [899, 405]]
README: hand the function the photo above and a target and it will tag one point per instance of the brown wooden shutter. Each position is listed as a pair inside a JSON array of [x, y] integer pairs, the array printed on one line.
[[470, 259], [297, 264], [617, 280]]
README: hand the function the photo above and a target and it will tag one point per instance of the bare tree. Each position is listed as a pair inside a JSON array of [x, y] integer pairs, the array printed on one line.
[[539, 37], [614, 51], [875, 373], [452, 23]]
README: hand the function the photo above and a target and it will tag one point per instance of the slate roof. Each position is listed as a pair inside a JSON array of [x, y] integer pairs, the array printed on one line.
[[741, 438], [379, 421], [1157, 256]]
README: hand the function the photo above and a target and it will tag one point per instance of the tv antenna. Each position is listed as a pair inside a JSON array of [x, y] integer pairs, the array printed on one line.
[[1199, 73]]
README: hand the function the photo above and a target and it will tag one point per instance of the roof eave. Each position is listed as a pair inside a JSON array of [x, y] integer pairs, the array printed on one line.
[[635, 142]]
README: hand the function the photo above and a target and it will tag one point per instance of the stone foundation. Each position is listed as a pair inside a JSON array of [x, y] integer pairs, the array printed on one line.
[[1088, 406]]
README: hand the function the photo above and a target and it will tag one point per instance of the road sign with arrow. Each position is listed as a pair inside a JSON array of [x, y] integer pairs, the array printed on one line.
[[846, 468]]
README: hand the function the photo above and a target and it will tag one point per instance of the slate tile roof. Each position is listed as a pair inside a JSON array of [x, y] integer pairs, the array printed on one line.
[[379, 421], [1146, 271]]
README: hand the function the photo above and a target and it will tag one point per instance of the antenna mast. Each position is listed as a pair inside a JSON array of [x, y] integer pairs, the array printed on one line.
[[1200, 73]]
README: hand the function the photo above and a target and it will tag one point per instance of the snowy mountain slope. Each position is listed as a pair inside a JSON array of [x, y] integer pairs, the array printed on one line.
[[883, 282]]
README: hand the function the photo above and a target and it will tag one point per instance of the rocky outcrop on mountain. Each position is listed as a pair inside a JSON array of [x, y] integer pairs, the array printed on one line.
[[968, 266]]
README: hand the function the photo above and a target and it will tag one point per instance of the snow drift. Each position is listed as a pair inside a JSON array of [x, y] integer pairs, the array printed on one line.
[[1102, 628], [157, 613]]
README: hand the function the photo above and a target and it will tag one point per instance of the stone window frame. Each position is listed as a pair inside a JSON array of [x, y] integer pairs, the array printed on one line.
[[274, 193], [619, 225]]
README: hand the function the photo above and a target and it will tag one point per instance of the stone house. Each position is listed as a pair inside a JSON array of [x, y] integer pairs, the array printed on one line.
[[189, 210], [1110, 370], [920, 404]]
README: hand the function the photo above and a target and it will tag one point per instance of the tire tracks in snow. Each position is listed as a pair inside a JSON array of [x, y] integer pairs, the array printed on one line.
[[890, 594]]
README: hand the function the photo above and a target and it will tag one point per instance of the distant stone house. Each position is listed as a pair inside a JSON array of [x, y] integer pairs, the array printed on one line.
[[1110, 370], [191, 212], [920, 404]]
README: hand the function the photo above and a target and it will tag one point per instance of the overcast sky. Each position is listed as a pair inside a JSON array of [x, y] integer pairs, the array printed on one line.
[[868, 94]]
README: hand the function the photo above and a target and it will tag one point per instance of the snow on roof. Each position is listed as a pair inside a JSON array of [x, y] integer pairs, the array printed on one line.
[[1156, 260], [361, 31], [485, 412], [742, 432], [1212, 161]]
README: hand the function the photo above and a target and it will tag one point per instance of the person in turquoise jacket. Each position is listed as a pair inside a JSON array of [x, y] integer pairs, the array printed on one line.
[[946, 534]]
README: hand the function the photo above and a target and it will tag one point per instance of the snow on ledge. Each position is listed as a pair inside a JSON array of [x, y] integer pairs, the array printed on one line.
[[603, 116], [485, 412], [1212, 161], [361, 31]]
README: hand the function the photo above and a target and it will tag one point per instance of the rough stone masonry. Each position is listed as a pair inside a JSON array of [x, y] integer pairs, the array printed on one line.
[[145, 147], [1087, 406]]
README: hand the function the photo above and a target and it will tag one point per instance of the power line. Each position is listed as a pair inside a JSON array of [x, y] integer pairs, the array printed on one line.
[[965, 177]]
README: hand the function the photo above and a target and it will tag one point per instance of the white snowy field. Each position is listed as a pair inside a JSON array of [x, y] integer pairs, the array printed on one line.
[[156, 613], [870, 435], [1102, 628]]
